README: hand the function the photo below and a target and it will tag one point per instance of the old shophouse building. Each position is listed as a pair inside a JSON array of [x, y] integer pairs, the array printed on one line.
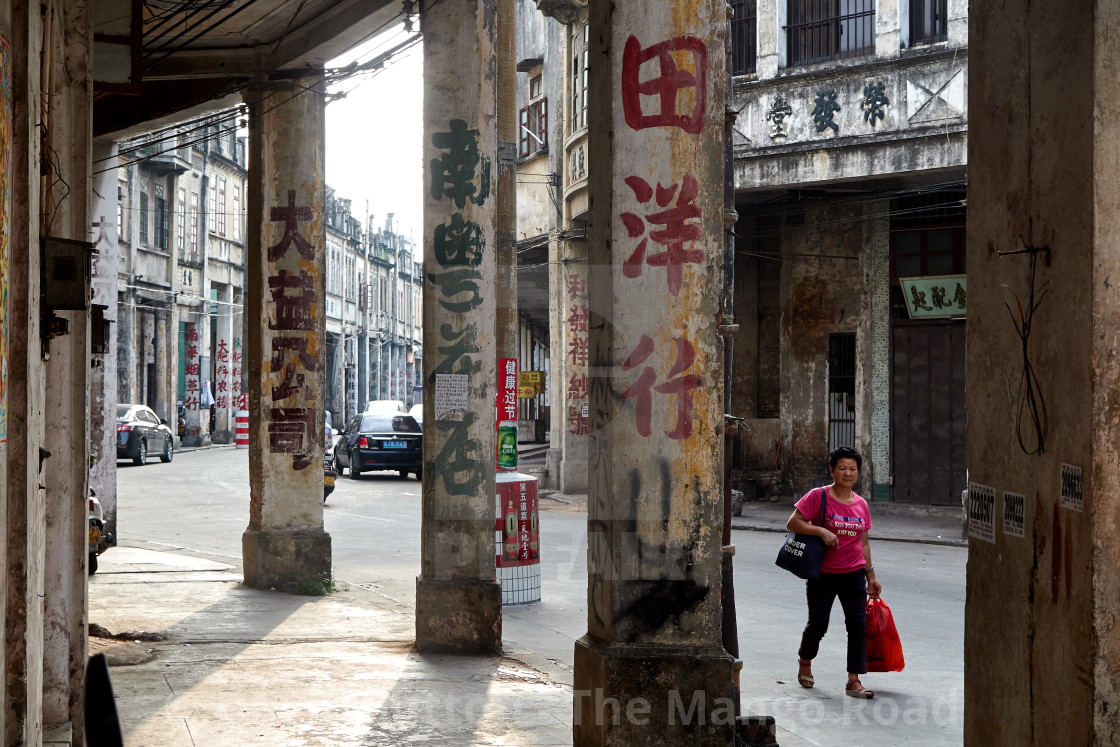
[[850, 150], [374, 341], [181, 278], [850, 287]]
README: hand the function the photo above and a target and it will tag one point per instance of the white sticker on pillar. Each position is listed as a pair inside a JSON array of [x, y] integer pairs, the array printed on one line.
[[1014, 513], [981, 512], [1072, 497], [451, 394]]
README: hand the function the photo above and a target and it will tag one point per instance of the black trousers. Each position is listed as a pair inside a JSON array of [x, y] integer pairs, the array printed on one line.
[[821, 593]]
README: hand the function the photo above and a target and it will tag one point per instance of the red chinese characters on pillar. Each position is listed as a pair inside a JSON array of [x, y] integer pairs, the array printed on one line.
[[678, 227], [669, 86], [681, 387], [291, 429]]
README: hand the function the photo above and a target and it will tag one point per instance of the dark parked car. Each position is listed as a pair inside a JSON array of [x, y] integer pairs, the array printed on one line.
[[140, 433], [380, 441]]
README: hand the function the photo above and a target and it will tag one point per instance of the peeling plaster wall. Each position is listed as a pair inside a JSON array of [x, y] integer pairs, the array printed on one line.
[[819, 297]]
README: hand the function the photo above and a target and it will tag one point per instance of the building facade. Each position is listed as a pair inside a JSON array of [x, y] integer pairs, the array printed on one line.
[[181, 276], [850, 155]]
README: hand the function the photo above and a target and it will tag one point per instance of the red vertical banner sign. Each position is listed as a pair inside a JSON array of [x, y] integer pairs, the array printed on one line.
[[507, 415]]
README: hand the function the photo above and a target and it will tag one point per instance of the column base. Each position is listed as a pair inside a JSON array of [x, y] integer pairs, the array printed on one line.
[[283, 560], [652, 695], [458, 617]]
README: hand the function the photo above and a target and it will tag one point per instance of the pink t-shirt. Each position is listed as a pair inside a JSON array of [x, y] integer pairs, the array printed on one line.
[[848, 521]]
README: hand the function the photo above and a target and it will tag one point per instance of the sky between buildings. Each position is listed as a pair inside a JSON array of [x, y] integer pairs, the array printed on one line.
[[374, 146]]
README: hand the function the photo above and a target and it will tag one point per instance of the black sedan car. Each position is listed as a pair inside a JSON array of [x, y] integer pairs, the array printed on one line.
[[141, 432], [380, 441]]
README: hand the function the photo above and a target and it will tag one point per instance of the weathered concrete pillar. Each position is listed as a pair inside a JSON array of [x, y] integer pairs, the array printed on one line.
[[103, 375], [1042, 643], [223, 354], [652, 669], [873, 361], [21, 424], [193, 414], [285, 540], [65, 642], [458, 601]]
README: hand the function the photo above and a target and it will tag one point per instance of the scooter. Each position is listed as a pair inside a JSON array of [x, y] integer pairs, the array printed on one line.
[[328, 476], [99, 539]]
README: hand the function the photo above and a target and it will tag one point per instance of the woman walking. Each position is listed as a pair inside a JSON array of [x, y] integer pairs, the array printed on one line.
[[846, 572]]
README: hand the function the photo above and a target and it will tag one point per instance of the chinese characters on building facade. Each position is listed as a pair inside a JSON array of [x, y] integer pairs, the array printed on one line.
[[576, 319], [193, 368], [825, 106]]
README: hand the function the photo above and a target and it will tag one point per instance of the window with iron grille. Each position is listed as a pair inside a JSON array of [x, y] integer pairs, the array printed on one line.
[[532, 134], [181, 220], [580, 58], [221, 216], [163, 223], [929, 21], [822, 30], [744, 37], [841, 390], [194, 227], [143, 217]]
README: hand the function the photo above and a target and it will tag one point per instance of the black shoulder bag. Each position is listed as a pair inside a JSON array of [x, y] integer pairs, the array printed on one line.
[[802, 554]]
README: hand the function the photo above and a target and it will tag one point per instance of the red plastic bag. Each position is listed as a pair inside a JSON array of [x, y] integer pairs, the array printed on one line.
[[884, 649]]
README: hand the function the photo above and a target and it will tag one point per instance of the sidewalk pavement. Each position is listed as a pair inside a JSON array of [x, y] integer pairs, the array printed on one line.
[[200, 659], [237, 666]]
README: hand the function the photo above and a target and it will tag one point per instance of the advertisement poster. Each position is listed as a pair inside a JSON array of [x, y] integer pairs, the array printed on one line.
[[981, 512], [1014, 514], [1072, 497]]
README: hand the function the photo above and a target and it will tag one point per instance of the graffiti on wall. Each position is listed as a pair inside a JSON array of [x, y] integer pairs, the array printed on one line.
[[460, 174], [577, 320], [658, 92], [292, 425]]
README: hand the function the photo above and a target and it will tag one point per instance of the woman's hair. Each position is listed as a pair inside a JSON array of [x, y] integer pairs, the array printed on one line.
[[844, 452]]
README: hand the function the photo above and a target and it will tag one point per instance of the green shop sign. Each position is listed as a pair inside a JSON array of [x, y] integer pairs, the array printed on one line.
[[935, 296]]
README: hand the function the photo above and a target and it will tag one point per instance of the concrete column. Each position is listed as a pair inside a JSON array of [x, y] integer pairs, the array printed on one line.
[[653, 649], [570, 395], [63, 586], [223, 354], [1042, 647], [873, 354], [458, 601], [191, 398], [285, 541], [103, 375], [23, 421]]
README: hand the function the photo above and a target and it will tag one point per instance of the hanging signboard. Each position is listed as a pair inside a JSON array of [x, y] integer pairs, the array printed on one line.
[[935, 296]]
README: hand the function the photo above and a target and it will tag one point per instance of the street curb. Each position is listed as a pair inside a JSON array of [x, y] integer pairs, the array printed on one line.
[[878, 538]]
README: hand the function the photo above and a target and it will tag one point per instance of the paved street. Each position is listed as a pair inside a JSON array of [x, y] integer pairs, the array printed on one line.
[[198, 506]]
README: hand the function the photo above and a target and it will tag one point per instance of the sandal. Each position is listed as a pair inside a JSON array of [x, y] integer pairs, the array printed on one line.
[[805, 680], [855, 689]]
